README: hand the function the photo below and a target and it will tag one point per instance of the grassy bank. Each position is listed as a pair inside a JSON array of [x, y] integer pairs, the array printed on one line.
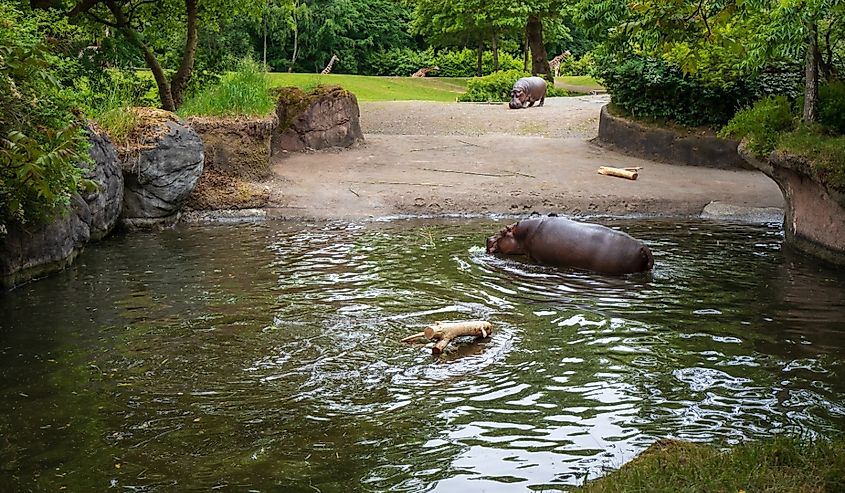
[[779, 465], [578, 83], [370, 88]]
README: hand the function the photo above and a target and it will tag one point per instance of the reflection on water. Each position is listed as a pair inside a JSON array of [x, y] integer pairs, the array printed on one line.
[[266, 358]]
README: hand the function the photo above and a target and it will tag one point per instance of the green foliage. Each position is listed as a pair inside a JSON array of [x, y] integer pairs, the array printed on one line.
[[351, 29], [585, 65], [452, 63], [400, 62], [652, 88], [771, 125], [39, 175], [242, 93], [832, 106], [40, 142], [492, 88], [824, 153], [111, 112], [761, 124], [778, 465]]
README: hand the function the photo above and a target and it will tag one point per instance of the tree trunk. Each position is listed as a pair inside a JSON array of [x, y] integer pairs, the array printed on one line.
[[495, 52], [539, 57], [811, 76], [264, 27], [526, 52], [295, 44], [149, 57], [186, 68], [479, 66]]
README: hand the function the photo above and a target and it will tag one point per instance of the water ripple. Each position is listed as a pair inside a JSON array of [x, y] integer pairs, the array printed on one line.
[[267, 356]]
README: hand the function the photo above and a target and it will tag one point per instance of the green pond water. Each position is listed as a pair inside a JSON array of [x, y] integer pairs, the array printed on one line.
[[266, 357]]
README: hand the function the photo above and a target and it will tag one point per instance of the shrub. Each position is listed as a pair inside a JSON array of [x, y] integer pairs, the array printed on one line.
[[652, 88], [761, 124], [493, 87], [400, 62], [832, 107], [825, 153], [40, 138], [585, 65], [454, 63], [245, 92]]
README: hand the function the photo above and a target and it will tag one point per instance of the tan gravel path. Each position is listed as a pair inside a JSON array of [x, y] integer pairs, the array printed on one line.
[[427, 158]]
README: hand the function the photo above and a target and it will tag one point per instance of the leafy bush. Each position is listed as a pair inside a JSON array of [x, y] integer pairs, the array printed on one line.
[[825, 153], [652, 88], [456, 63], [585, 65], [400, 62], [40, 139], [464, 63], [781, 79], [832, 106], [245, 92], [761, 124], [493, 87]]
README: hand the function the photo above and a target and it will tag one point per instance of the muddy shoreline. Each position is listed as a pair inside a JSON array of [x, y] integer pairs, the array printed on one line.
[[425, 159]]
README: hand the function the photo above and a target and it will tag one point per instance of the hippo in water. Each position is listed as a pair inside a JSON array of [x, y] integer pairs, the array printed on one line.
[[560, 242], [527, 91]]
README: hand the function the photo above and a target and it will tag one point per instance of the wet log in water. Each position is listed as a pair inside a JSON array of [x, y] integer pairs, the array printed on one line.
[[444, 332]]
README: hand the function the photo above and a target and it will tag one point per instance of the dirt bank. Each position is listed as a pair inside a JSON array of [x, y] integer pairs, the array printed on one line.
[[452, 158]]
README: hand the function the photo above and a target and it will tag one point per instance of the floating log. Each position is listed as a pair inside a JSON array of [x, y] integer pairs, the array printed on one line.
[[629, 173], [444, 332]]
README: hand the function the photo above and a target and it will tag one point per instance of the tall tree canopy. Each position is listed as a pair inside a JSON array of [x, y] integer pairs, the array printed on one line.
[[140, 22], [720, 40], [469, 22]]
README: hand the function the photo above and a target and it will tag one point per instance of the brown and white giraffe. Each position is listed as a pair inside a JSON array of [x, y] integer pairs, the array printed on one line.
[[554, 63], [423, 71], [328, 68]]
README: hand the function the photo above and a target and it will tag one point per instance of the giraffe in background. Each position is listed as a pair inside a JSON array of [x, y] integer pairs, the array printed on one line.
[[328, 68], [554, 63], [423, 71]]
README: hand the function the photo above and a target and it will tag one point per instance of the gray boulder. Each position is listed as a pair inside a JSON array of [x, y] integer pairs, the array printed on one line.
[[326, 117], [33, 250], [160, 174], [104, 203]]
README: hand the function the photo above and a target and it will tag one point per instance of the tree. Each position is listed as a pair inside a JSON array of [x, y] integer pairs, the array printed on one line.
[[138, 21], [472, 20], [41, 140], [351, 29], [723, 40]]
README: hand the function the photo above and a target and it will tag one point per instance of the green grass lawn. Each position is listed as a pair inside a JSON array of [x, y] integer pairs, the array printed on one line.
[[370, 88], [775, 465], [579, 83]]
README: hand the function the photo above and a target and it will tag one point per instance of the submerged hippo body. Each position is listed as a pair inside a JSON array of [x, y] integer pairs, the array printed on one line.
[[527, 91], [564, 243]]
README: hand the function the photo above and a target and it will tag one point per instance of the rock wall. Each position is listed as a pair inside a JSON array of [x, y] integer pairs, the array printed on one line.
[[31, 251], [667, 145], [237, 152], [814, 216], [326, 117], [161, 162]]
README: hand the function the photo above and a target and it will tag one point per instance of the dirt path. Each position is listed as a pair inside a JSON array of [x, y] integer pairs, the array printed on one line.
[[448, 158]]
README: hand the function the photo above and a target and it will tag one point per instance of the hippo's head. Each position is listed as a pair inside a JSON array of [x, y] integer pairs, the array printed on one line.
[[517, 99], [505, 242]]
